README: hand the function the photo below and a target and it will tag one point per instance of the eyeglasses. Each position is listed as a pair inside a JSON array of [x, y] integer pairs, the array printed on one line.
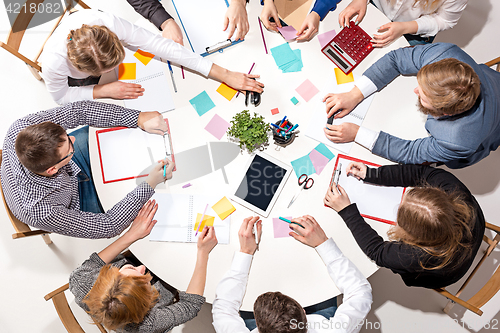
[[70, 154]]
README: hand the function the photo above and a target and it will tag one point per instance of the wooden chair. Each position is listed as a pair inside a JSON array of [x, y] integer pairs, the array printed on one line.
[[494, 62], [19, 27], [64, 311], [22, 229], [488, 290]]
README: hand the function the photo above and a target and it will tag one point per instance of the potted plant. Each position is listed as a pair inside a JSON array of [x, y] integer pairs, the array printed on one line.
[[251, 132]]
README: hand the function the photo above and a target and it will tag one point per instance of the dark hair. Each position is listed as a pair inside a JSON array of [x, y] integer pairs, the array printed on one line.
[[37, 145], [277, 313]]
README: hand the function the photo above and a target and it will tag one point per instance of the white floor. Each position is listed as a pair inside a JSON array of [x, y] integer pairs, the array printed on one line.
[[30, 269]]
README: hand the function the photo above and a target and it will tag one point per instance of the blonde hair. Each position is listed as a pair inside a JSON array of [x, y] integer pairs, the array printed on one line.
[[437, 222], [94, 49], [430, 5], [451, 85], [116, 300]]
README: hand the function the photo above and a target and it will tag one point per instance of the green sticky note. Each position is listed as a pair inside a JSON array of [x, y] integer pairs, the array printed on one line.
[[303, 165], [202, 103], [294, 100], [323, 150]]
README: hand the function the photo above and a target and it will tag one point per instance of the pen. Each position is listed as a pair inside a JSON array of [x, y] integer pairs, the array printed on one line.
[[291, 129], [171, 75], [277, 127], [262, 33], [336, 174], [288, 221], [182, 70], [282, 121], [201, 220]]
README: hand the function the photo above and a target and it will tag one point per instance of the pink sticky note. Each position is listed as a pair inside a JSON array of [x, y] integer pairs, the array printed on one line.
[[307, 90], [281, 228], [217, 127], [288, 32], [326, 37], [318, 160], [275, 111]]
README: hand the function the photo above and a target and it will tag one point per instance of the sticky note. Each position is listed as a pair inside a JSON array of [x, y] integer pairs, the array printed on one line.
[[326, 37], [288, 32], [202, 103], [217, 127], [186, 186], [223, 208], [323, 149], [318, 160], [283, 54], [275, 111], [307, 90], [226, 91], [342, 78], [303, 165], [281, 228], [143, 56], [294, 100], [295, 66], [208, 221], [127, 71]]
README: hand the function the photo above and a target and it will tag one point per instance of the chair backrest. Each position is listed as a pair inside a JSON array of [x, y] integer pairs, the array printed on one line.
[[495, 61], [22, 229], [64, 311]]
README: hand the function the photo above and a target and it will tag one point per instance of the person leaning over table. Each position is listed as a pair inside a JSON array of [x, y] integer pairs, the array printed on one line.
[[124, 298], [417, 20], [235, 19], [46, 175], [439, 226], [278, 313], [310, 25], [459, 97], [88, 43]]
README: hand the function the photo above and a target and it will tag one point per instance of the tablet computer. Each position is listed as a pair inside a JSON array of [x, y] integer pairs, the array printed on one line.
[[261, 183]]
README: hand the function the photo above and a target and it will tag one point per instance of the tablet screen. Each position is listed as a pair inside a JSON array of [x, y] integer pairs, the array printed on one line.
[[260, 183]]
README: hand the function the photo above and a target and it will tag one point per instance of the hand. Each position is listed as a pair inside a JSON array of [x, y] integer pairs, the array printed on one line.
[[336, 199], [118, 90], [236, 18], [309, 27], [311, 234], [152, 122], [206, 240], [155, 177], [357, 169], [346, 102], [171, 30], [248, 240], [143, 223], [343, 133], [356, 7], [269, 10], [392, 31]]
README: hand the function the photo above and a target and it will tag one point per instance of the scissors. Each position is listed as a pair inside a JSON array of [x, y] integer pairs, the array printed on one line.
[[304, 183]]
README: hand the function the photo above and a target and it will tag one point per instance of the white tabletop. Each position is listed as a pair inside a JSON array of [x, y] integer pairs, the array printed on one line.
[[281, 264]]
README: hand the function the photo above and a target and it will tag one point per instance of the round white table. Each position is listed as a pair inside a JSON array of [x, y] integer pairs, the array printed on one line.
[[282, 263]]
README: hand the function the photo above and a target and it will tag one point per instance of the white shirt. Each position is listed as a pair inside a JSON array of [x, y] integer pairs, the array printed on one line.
[[430, 21], [366, 137], [56, 67], [345, 275]]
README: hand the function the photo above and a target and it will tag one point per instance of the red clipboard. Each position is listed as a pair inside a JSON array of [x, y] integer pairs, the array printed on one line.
[[339, 156], [131, 177]]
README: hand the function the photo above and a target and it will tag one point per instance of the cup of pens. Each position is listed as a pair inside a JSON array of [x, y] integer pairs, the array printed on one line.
[[283, 132]]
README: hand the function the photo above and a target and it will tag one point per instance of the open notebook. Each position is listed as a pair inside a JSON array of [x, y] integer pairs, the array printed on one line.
[[319, 118], [177, 215]]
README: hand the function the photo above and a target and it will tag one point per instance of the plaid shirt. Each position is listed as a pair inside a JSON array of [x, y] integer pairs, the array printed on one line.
[[52, 203]]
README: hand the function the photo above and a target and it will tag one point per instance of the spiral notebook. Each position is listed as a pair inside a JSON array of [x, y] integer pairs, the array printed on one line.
[[177, 218], [319, 117]]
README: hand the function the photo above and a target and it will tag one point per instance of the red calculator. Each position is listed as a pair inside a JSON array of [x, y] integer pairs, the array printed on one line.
[[348, 48]]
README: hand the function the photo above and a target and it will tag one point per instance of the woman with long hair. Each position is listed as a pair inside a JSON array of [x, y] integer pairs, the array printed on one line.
[[439, 227]]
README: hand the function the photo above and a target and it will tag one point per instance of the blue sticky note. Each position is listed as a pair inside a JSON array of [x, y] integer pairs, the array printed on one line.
[[294, 100], [303, 165], [323, 150], [202, 103], [283, 54]]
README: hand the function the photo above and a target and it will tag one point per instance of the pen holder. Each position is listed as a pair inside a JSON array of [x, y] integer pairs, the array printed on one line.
[[279, 139]]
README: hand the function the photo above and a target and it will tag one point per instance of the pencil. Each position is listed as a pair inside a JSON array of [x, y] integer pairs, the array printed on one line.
[[250, 71], [201, 220], [182, 70], [262, 33]]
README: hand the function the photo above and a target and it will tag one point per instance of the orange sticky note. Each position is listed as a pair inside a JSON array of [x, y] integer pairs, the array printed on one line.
[[208, 221], [144, 57], [223, 208], [127, 71], [342, 78], [226, 91]]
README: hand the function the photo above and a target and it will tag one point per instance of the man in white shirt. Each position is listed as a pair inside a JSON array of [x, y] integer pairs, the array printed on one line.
[[278, 313]]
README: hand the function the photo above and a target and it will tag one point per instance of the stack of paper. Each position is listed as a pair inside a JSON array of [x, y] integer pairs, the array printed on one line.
[[314, 162], [288, 60]]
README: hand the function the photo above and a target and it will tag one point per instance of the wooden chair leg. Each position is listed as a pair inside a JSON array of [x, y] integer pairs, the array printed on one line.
[[35, 73], [47, 239]]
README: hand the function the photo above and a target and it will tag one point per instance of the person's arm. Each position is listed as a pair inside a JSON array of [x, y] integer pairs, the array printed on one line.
[[206, 242], [355, 8], [446, 17], [152, 10], [236, 18], [322, 7]]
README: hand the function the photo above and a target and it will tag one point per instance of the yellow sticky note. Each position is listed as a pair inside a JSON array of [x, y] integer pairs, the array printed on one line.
[[226, 91], [208, 221], [342, 78], [223, 208], [144, 57], [126, 71]]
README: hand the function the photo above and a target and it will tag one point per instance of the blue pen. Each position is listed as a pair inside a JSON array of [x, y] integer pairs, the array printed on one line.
[[172, 75], [282, 121], [164, 171], [279, 128], [288, 221]]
